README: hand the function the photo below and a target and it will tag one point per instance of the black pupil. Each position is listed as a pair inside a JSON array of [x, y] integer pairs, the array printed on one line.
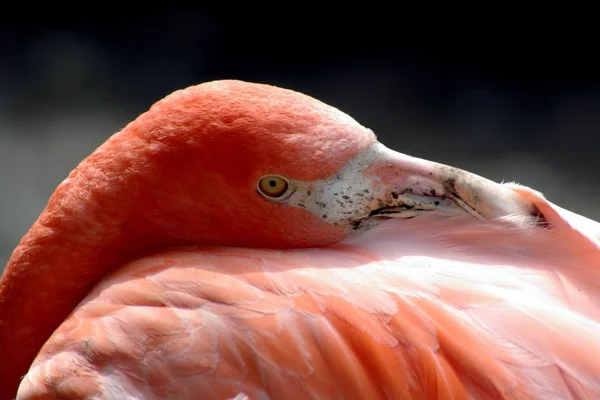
[[272, 183]]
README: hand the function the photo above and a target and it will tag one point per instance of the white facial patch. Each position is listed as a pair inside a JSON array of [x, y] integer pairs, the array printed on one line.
[[350, 196]]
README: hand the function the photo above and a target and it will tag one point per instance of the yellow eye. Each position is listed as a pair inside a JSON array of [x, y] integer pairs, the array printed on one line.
[[272, 186]]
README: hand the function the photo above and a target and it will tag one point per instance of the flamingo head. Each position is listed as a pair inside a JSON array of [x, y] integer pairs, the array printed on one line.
[[248, 164]]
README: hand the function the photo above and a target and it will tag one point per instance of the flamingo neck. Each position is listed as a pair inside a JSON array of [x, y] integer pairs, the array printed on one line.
[[71, 246], [83, 234]]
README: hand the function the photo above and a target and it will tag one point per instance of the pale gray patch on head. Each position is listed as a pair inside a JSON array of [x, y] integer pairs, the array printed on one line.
[[340, 197], [348, 197]]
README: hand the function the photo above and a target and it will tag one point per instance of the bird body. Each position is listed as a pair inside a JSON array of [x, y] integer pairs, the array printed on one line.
[[305, 261]]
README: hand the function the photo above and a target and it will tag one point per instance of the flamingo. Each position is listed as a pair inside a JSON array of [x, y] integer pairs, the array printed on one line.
[[241, 240]]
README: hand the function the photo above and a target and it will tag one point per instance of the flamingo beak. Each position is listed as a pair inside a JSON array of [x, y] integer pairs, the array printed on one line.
[[382, 183], [394, 174]]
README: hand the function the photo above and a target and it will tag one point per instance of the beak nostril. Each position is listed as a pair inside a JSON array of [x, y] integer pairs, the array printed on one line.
[[540, 218]]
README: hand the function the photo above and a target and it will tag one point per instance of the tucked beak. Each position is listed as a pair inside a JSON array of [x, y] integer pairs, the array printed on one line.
[[382, 183], [392, 172]]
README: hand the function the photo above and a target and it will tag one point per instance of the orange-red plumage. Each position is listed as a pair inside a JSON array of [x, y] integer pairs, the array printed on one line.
[[471, 297]]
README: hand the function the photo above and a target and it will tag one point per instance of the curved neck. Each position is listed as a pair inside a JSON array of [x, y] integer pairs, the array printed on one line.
[[90, 226], [74, 243]]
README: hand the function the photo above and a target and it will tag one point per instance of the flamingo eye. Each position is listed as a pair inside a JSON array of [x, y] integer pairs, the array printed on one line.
[[272, 186]]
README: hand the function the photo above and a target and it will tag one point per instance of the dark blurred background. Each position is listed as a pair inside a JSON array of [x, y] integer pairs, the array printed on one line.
[[512, 106]]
